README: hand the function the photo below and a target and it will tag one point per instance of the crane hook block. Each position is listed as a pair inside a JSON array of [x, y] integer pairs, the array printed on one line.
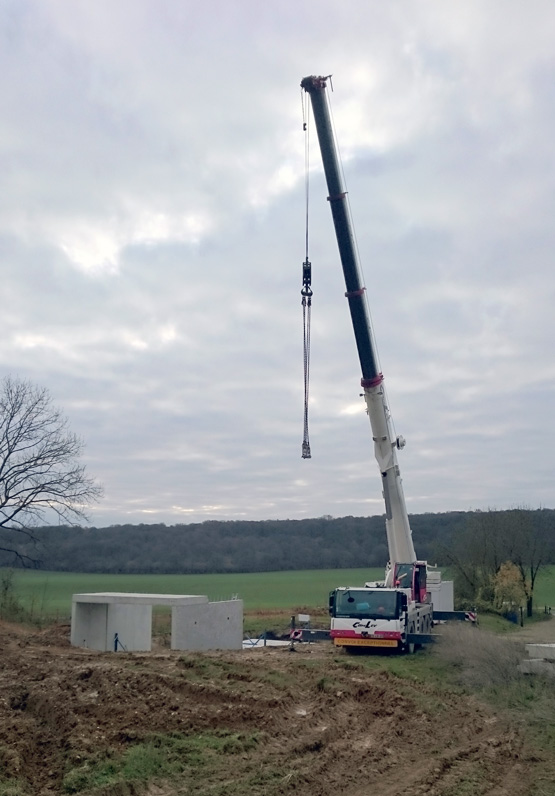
[[306, 451], [307, 278]]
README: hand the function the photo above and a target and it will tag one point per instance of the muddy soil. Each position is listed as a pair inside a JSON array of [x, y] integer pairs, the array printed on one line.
[[324, 722]]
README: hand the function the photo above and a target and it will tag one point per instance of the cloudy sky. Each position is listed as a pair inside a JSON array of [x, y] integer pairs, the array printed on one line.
[[152, 231]]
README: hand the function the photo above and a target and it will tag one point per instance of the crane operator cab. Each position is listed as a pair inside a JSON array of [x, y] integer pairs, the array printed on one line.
[[413, 577]]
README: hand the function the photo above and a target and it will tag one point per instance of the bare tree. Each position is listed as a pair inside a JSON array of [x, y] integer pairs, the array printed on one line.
[[531, 543], [521, 536], [39, 469], [476, 555]]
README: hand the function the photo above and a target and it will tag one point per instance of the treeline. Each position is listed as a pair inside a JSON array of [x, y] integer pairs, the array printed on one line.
[[235, 546]]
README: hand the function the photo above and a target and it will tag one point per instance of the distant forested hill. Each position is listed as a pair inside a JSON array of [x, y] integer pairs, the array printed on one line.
[[233, 546]]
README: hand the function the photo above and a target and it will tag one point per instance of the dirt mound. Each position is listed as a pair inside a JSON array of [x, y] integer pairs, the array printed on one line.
[[315, 722]]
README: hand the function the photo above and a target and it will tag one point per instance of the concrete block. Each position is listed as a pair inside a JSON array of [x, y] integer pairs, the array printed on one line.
[[97, 617], [134, 598], [88, 625], [94, 625], [133, 625], [545, 651], [213, 626], [537, 666]]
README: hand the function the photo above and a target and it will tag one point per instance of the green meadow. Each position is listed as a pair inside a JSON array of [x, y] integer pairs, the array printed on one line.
[[49, 593]]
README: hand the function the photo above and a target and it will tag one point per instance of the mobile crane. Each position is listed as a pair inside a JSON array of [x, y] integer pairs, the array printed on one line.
[[389, 614]]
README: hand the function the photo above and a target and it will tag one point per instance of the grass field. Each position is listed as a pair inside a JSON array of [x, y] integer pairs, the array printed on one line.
[[48, 594]]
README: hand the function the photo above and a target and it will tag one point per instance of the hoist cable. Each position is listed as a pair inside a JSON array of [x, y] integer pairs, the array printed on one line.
[[306, 454], [306, 291], [306, 128]]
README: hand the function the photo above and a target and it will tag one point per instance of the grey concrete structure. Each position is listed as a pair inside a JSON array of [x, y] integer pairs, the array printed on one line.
[[111, 621], [217, 625], [543, 651], [541, 660], [537, 666]]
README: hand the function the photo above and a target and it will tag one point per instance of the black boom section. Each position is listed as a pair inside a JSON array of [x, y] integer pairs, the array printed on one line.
[[316, 87]]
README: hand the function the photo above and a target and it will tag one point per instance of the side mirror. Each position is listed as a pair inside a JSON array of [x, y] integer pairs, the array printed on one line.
[[331, 603]]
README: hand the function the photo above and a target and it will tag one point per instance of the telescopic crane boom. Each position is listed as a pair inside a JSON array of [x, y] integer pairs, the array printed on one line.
[[386, 444]]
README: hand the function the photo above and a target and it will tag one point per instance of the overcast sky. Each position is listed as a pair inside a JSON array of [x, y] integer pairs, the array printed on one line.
[[152, 231]]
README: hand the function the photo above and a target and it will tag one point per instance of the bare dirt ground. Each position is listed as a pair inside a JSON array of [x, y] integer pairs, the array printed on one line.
[[322, 722]]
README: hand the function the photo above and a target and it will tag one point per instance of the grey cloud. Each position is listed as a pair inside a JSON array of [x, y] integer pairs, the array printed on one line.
[[152, 234]]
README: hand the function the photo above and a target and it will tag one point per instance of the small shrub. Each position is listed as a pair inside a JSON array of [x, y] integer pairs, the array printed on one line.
[[90, 775], [10, 607], [480, 659], [12, 788], [239, 744], [144, 762]]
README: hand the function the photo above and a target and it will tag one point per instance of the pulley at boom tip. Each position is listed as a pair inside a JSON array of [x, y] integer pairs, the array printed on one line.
[[315, 82]]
